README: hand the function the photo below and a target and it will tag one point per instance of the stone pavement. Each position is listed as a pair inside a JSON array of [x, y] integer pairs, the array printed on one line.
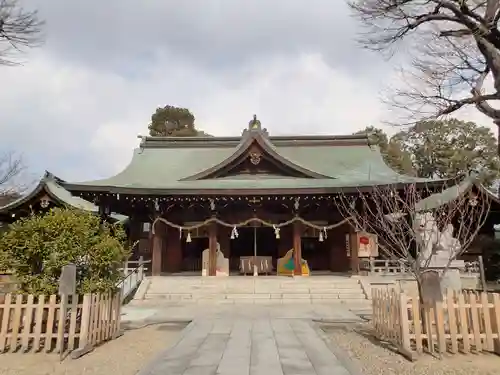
[[242, 346], [138, 313]]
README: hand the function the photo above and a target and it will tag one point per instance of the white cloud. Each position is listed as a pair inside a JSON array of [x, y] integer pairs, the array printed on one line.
[[61, 114]]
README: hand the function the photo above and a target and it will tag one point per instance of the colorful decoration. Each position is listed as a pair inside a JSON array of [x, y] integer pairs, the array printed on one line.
[[290, 264], [286, 265]]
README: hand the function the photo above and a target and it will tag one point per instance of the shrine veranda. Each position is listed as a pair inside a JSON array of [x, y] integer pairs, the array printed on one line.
[[253, 195]]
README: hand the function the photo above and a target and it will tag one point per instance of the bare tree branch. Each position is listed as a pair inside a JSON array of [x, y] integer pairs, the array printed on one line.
[[454, 54], [20, 29], [405, 230], [11, 169]]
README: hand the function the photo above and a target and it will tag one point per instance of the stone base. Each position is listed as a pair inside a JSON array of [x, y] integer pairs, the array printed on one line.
[[441, 258]]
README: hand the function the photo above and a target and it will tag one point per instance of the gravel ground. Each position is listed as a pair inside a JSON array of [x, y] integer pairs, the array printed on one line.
[[374, 359], [123, 356]]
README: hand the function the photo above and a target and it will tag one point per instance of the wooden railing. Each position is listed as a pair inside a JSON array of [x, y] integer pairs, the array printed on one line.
[[463, 322], [472, 268], [131, 265], [58, 323], [401, 266], [384, 266]]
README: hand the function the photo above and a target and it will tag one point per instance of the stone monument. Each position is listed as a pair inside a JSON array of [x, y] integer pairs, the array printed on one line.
[[67, 280]]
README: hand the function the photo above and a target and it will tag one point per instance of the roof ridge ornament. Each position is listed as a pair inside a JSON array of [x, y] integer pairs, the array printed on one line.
[[254, 126]]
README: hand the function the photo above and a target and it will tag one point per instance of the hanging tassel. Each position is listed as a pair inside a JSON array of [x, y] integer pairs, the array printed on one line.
[[321, 236], [188, 238], [325, 233], [232, 233], [180, 232], [276, 232], [236, 232]]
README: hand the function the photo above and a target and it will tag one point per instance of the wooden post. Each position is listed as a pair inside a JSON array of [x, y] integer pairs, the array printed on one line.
[[354, 253], [156, 253], [212, 249], [481, 273], [141, 268], [297, 249]]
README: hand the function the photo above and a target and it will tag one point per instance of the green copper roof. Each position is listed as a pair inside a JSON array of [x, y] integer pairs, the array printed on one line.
[[448, 195], [164, 164], [50, 185]]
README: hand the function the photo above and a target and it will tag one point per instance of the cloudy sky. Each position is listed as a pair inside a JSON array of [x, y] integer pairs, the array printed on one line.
[[78, 103]]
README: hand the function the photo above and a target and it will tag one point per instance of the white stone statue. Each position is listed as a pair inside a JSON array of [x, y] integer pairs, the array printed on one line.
[[437, 251], [448, 243], [426, 235], [221, 265]]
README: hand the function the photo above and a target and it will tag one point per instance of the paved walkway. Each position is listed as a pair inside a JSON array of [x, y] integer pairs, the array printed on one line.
[[242, 346], [149, 313]]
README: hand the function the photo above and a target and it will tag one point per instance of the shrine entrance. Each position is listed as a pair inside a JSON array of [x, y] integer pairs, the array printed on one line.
[[253, 241]]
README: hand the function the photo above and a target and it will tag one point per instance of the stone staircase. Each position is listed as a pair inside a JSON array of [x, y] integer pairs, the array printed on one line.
[[262, 289]]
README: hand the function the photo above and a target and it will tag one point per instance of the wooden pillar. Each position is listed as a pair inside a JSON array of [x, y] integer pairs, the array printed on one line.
[[157, 250], [297, 248], [286, 241], [225, 240], [339, 261], [354, 252], [173, 250], [212, 249]]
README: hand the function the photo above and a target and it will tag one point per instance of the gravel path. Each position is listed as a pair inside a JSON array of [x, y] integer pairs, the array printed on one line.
[[376, 360], [123, 356]]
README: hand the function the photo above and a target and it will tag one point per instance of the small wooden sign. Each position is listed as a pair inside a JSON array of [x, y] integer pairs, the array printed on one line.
[[366, 244], [67, 280], [348, 244]]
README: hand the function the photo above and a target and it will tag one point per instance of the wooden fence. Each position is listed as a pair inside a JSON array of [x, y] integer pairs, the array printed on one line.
[[463, 322], [58, 323]]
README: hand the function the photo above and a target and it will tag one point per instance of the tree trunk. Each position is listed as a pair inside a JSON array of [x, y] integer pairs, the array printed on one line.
[[426, 328]]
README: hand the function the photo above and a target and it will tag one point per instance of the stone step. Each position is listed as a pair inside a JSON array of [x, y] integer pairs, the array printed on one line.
[[255, 290], [283, 296]]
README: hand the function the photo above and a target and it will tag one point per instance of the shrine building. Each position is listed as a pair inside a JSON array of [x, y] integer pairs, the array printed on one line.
[[253, 197]]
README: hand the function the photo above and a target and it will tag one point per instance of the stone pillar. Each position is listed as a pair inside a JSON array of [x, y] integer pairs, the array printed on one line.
[[297, 248], [212, 249], [156, 256], [173, 261]]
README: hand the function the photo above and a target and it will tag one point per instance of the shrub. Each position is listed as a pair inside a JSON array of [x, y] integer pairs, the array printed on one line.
[[37, 247]]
